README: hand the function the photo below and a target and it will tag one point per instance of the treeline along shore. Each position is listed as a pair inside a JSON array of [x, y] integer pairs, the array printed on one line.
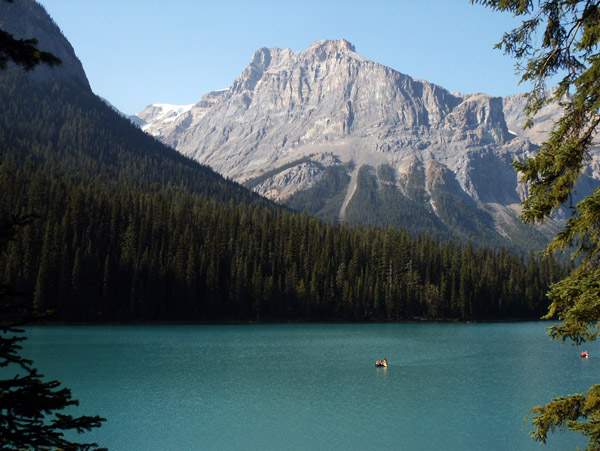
[[100, 254], [125, 229]]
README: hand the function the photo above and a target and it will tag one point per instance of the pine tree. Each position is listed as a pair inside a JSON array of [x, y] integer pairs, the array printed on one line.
[[30, 408], [567, 45]]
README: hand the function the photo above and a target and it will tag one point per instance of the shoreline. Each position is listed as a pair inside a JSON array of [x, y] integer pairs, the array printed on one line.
[[274, 322]]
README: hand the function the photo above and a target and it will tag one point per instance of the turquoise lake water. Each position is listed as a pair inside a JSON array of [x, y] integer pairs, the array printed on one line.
[[314, 386]]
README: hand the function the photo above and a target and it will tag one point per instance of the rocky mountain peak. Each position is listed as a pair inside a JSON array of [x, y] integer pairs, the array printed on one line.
[[254, 72], [261, 59], [331, 46], [328, 130], [284, 103]]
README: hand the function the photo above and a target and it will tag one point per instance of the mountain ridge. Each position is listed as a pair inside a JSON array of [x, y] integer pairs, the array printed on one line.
[[329, 107], [129, 230]]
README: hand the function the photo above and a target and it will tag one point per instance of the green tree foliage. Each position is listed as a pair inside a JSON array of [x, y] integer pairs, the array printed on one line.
[[30, 408], [129, 229], [159, 253], [568, 33], [23, 52], [326, 197]]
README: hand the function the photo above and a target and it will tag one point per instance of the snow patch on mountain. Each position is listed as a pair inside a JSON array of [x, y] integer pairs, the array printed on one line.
[[158, 114]]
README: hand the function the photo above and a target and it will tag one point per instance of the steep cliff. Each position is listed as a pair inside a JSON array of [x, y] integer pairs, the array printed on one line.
[[440, 161], [26, 19]]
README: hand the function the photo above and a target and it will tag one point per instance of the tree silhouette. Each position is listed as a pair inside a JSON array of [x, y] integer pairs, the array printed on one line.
[[30, 408], [562, 38], [23, 52]]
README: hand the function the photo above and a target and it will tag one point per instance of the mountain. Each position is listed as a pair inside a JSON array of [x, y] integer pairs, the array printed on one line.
[[349, 139], [112, 225], [27, 19], [83, 134]]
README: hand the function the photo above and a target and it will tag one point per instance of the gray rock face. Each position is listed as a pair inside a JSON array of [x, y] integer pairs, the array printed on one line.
[[26, 19], [516, 118], [329, 100], [286, 182]]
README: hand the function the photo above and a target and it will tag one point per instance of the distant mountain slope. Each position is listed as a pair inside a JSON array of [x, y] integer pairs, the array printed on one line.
[[301, 128], [115, 226], [50, 117]]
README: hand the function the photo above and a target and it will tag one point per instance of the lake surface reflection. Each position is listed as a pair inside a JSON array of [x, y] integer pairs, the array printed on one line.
[[313, 386]]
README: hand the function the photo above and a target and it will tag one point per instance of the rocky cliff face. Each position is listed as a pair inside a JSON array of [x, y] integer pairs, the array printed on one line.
[[26, 19], [298, 128], [516, 118]]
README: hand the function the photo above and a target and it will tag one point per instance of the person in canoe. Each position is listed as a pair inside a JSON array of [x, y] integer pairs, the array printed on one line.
[[381, 362]]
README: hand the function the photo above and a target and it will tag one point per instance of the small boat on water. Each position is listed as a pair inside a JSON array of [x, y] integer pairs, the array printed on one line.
[[585, 355], [381, 363]]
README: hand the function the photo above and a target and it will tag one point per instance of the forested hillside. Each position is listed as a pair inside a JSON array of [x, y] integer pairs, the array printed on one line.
[[128, 230], [163, 254], [64, 130]]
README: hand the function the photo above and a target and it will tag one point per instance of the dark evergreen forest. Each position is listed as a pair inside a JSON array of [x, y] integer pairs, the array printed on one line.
[[126, 229]]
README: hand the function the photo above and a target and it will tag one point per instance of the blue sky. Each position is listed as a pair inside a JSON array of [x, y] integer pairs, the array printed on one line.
[[137, 52]]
